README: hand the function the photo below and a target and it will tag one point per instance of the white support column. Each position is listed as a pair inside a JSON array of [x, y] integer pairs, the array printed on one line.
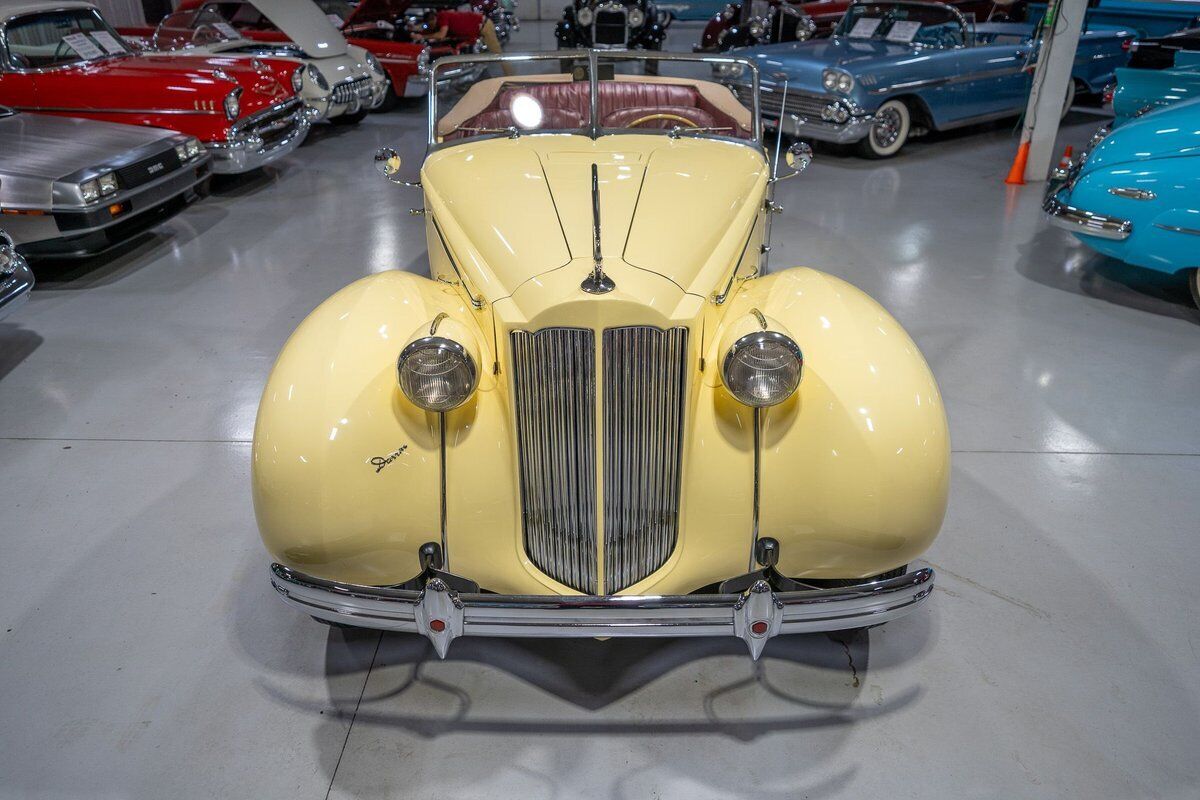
[[1051, 77]]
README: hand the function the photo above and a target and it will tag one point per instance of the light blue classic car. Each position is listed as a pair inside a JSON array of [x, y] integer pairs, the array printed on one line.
[[893, 70], [1136, 195], [1140, 91]]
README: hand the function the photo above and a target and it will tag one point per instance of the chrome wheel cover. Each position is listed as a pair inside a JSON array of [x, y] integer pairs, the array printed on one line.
[[886, 129]]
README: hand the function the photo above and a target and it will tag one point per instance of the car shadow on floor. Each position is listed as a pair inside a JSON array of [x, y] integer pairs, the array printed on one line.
[[16, 345], [1084, 272]]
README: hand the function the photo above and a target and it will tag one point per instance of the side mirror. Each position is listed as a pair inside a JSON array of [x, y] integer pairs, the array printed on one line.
[[797, 157], [388, 163]]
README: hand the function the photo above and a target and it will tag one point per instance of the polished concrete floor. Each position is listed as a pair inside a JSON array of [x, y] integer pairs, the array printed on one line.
[[143, 653]]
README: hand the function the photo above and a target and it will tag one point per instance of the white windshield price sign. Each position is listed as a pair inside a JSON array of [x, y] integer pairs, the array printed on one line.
[[903, 31], [81, 44], [108, 42], [226, 30], [865, 28]]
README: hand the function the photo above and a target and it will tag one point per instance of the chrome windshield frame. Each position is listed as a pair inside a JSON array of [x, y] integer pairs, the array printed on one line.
[[593, 57], [968, 30]]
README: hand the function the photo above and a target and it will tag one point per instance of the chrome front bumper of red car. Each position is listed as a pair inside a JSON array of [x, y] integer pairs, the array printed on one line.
[[755, 615]]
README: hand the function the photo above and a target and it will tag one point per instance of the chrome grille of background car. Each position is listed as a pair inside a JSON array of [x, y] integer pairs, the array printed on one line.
[[645, 382], [609, 26], [554, 376], [348, 90], [273, 124], [771, 98]]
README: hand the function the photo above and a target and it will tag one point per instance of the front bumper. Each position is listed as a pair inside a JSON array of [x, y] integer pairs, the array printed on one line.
[[249, 150], [15, 288], [755, 616], [1079, 220], [853, 130]]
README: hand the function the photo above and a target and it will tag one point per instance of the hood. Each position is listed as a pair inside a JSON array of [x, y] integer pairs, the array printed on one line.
[[803, 62], [1168, 133], [514, 209], [188, 82], [305, 24], [49, 147]]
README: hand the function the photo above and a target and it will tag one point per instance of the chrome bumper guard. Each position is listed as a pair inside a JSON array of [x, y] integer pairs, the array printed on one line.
[[1078, 220], [756, 615], [248, 150]]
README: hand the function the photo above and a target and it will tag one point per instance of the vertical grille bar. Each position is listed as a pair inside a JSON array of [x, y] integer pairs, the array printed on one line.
[[645, 379], [555, 387]]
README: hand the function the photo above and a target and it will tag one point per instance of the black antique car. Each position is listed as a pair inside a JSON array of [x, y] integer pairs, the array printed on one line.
[[1158, 52], [612, 25]]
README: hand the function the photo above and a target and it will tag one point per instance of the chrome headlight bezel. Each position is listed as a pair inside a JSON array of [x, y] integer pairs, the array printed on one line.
[[636, 18], [373, 64], [317, 77], [756, 341], [835, 80], [446, 347], [232, 104], [585, 15]]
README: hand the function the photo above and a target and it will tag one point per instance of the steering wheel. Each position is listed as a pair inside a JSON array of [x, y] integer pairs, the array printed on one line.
[[663, 117]]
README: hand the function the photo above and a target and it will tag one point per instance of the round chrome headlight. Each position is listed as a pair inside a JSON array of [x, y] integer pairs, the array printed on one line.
[[584, 16], [763, 368], [756, 29], [373, 64], [437, 374], [636, 17], [317, 77], [845, 82], [829, 80]]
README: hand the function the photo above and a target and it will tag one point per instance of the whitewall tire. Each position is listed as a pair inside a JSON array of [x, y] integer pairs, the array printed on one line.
[[889, 131]]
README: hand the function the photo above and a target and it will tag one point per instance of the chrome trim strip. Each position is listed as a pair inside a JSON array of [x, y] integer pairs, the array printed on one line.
[[1130, 193], [756, 615], [82, 110], [1177, 229], [1078, 220]]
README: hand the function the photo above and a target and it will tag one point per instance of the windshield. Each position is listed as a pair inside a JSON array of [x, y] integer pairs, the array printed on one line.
[[521, 95], [339, 10], [59, 38], [242, 16], [193, 29], [928, 25]]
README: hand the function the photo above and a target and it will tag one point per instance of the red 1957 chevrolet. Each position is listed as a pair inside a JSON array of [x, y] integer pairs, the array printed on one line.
[[62, 57]]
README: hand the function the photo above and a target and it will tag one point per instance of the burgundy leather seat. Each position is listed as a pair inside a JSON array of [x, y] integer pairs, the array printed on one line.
[[566, 106]]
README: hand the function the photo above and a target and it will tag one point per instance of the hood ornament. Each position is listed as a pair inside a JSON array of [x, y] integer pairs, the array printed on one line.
[[597, 282]]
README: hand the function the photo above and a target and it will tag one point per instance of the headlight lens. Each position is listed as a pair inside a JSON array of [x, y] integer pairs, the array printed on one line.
[[108, 183], [763, 368], [90, 191], [233, 104], [636, 17], [298, 79], [194, 148], [436, 374], [372, 64], [756, 29], [584, 16], [317, 77], [835, 80]]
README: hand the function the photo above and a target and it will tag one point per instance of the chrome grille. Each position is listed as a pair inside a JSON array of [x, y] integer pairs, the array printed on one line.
[[554, 376], [610, 25], [771, 98], [350, 90], [645, 379]]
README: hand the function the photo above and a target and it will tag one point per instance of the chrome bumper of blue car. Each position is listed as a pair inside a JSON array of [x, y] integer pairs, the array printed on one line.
[[15, 286], [1079, 220], [755, 616], [853, 130]]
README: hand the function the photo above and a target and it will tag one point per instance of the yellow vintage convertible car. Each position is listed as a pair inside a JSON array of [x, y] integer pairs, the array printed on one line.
[[601, 415]]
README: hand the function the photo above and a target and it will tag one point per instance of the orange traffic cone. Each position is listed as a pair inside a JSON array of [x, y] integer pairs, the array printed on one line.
[[1065, 162], [1016, 175]]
